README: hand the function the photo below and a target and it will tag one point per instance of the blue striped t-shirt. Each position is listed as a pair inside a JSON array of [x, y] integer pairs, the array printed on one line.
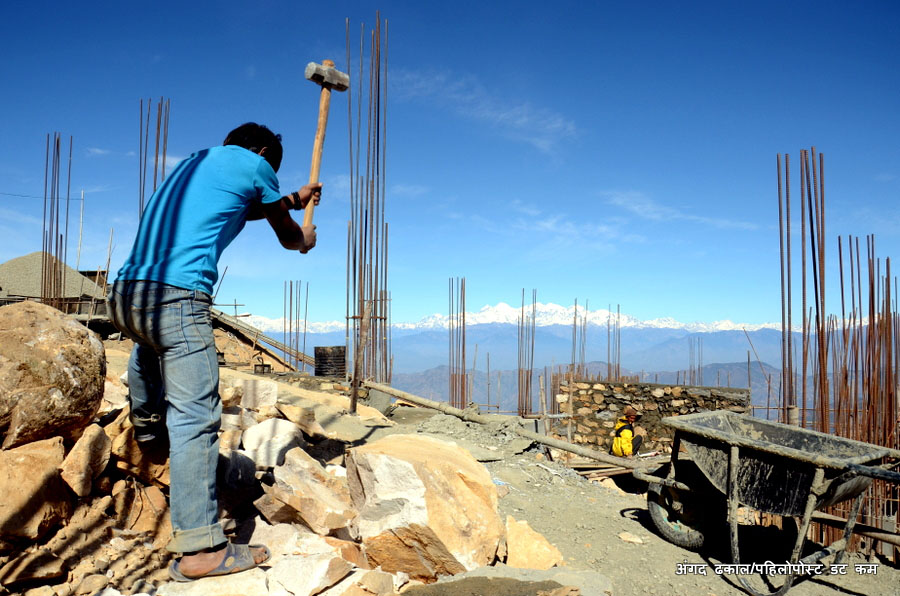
[[199, 209]]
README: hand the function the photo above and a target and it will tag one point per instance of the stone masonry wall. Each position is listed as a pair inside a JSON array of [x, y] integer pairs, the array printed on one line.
[[595, 407]]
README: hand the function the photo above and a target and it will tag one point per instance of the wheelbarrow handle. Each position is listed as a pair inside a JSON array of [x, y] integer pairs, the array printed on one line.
[[874, 472], [653, 479]]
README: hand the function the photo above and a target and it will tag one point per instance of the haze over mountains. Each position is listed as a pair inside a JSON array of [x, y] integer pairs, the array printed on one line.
[[660, 349], [655, 345], [545, 315]]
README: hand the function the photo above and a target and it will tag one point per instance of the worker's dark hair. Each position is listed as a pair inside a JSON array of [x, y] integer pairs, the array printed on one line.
[[254, 137]]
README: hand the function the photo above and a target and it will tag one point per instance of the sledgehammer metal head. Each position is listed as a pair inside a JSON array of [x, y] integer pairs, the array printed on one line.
[[327, 75]]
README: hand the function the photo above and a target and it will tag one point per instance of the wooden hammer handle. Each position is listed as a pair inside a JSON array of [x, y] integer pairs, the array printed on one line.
[[324, 104]]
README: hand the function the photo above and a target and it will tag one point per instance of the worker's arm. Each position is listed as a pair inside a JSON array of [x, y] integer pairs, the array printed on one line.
[[296, 200], [291, 235]]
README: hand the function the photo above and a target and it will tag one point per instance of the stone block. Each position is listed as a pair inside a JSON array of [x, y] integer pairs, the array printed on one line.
[[527, 548], [427, 507], [229, 440], [379, 400], [364, 583], [34, 566], [257, 393], [231, 395], [282, 539], [267, 442], [274, 511], [86, 460], [321, 500], [142, 509], [232, 418], [306, 575], [35, 497]]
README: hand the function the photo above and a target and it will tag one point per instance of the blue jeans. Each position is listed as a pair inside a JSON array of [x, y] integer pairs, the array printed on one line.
[[173, 380]]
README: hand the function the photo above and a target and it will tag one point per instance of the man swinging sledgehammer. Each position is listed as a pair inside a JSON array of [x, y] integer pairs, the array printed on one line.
[[161, 300]]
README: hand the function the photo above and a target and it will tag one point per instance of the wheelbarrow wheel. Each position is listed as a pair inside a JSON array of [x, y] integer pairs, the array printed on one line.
[[672, 515]]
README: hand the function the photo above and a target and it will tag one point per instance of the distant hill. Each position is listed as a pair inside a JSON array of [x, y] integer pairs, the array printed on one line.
[[660, 354], [660, 349], [647, 349], [433, 383]]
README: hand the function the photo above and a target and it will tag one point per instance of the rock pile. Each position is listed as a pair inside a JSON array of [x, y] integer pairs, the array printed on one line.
[[347, 507]]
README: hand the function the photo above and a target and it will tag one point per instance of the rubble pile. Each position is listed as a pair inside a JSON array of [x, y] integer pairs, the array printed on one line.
[[346, 505]]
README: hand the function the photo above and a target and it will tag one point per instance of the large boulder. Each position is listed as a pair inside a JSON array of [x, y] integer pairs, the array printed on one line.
[[52, 372], [33, 497], [426, 507]]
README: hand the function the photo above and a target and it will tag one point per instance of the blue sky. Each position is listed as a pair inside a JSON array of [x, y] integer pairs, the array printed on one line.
[[592, 150]]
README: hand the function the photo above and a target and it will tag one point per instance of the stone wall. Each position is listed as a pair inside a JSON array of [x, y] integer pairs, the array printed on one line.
[[595, 406]]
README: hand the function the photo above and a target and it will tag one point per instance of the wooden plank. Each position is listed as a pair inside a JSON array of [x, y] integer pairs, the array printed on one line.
[[605, 473]]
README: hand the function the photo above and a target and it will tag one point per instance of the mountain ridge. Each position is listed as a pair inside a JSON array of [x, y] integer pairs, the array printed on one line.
[[545, 314]]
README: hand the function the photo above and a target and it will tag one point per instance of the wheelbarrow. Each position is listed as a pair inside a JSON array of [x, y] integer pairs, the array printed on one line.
[[771, 467]]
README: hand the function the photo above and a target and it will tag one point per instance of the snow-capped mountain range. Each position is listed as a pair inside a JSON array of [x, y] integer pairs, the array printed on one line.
[[544, 315]]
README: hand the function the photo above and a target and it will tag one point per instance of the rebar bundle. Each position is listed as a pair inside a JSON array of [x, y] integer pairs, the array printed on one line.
[[368, 298], [525, 367], [159, 148], [579, 341], [456, 328], [694, 374], [292, 294], [848, 363], [54, 241], [613, 344]]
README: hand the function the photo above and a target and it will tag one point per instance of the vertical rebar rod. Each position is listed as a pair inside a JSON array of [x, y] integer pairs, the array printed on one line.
[[788, 398], [782, 261], [305, 320]]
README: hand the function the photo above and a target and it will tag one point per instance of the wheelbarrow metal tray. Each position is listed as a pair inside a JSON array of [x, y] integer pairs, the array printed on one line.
[[777, 462]]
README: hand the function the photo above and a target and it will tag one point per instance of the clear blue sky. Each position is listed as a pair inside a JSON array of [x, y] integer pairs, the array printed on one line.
[[618, 152]]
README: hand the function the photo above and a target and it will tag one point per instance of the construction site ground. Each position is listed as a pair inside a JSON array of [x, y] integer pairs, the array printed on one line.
[[597, 526]]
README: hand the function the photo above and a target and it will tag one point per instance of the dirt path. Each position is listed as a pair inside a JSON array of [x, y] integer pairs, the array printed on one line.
[[585, 520]]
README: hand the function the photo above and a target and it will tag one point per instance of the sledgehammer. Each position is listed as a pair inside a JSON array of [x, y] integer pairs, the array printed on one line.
[[328, 77]]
